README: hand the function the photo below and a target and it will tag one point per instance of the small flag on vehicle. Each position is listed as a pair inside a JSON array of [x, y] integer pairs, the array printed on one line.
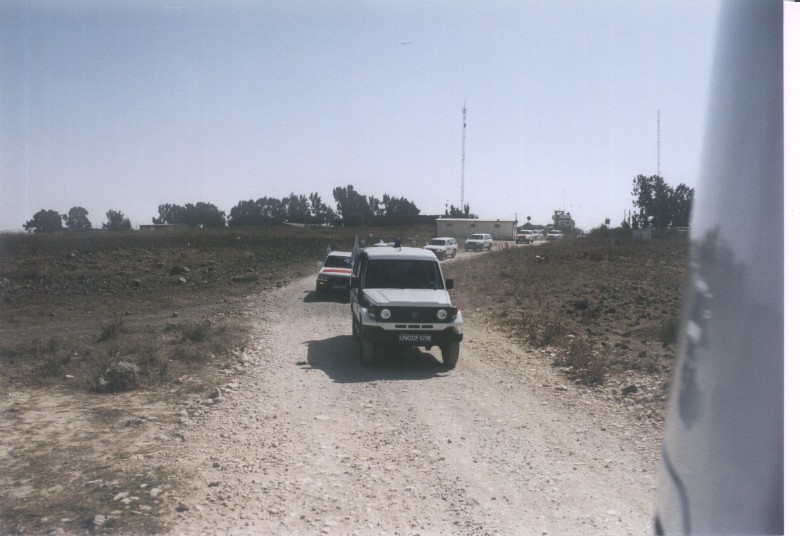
[[356, 251]]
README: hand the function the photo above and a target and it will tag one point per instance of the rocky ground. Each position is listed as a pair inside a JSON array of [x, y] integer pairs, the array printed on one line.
[[285, 432]]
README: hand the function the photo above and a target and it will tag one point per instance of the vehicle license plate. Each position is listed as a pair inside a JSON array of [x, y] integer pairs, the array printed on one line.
[[415, 337]]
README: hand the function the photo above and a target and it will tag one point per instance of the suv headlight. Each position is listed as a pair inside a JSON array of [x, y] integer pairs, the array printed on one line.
[[322, 277], [386, 314], [441, 314]]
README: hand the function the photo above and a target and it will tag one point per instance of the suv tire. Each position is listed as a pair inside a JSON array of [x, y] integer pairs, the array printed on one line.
[[367, 355], [450, 354], [355, 328]]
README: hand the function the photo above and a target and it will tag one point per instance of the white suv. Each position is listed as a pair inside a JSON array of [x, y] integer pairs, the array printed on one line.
[[443, 247], [398, 297], [478, 242]]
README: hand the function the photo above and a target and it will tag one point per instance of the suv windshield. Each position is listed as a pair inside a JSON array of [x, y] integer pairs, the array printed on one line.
[[476, 237], [394, 273], [335, 261], [436, 242]]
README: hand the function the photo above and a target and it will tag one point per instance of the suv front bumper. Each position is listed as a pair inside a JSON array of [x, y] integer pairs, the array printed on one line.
[[411, 337]]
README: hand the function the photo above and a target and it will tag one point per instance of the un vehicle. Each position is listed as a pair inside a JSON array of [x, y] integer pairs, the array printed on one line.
[[398, 297]]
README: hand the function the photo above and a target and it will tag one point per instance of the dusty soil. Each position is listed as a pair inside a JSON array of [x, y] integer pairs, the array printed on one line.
[[311, 442], [604, 314], [283, 431]]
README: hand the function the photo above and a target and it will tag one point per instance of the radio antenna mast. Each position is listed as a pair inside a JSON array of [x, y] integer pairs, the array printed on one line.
[[658, 141], [463, 152]]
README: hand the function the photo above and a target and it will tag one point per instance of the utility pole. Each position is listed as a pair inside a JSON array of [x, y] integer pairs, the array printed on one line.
[[463, 152]]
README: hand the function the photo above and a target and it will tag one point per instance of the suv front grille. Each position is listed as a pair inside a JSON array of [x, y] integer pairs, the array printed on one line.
[[416, 315]]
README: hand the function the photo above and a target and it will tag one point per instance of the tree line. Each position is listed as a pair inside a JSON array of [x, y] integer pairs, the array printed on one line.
[[660, 206], [48, 221], [352, 209]]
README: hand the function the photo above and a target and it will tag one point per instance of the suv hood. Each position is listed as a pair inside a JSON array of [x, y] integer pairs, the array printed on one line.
[[435, 248], [408, 297]]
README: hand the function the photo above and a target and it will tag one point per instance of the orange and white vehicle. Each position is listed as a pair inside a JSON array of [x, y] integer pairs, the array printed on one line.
[[334, 273]]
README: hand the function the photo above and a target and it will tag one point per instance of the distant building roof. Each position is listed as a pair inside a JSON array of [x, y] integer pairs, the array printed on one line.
[[486, 220]]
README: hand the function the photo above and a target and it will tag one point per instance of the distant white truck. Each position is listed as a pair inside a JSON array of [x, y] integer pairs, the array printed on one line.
[[524, 236], [443, 247], [478, 242]]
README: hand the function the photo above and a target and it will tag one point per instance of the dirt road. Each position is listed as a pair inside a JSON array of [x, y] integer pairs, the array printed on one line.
[[311, 442]]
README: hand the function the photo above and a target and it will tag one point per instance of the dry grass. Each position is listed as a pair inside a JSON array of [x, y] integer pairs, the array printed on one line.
[[602, 310], [62, 286]]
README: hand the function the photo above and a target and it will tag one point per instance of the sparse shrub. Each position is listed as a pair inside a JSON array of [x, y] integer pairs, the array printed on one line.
[[119, 376], [547, 331], [210, 337], [49, 358], [669, 331], [51, 366], [195, 332], [152, 363], [588, 365], [111, 331]]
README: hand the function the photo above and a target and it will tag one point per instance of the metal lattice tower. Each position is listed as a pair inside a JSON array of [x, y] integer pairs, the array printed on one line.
[[463, 153], [658, 142]]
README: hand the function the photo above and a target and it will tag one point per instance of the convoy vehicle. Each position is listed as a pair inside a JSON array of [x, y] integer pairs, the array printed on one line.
[[334, 273], [478, 242], [537, 235], [524, 236], [443, 247], [555, 234], [398, 298]]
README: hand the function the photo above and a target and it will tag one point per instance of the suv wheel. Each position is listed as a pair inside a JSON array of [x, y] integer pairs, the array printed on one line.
[[450, 353], [355, 328], [367, 352]]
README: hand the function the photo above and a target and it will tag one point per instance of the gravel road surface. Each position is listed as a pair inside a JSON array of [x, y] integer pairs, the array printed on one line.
[[310, 442]]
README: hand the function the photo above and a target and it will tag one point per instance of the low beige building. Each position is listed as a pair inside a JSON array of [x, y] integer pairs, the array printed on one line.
[[461, 228]]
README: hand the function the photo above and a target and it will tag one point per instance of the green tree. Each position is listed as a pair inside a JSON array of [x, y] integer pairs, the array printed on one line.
[[77, 218], [320, 212], [652, 197], [681, 206], [117, 221], [659, 205], [169, 213], [199, 215], [44, 221], [377, 207], [399, 210], [205, 215], [298, 208], [246, 214], [456, 212], [273, 210], [353, 208]]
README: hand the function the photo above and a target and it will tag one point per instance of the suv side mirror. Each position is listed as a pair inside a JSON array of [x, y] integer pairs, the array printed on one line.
[[448, 284], [355, 282]]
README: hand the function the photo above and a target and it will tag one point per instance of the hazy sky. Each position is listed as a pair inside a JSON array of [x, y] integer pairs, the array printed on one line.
[[127, 105]]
